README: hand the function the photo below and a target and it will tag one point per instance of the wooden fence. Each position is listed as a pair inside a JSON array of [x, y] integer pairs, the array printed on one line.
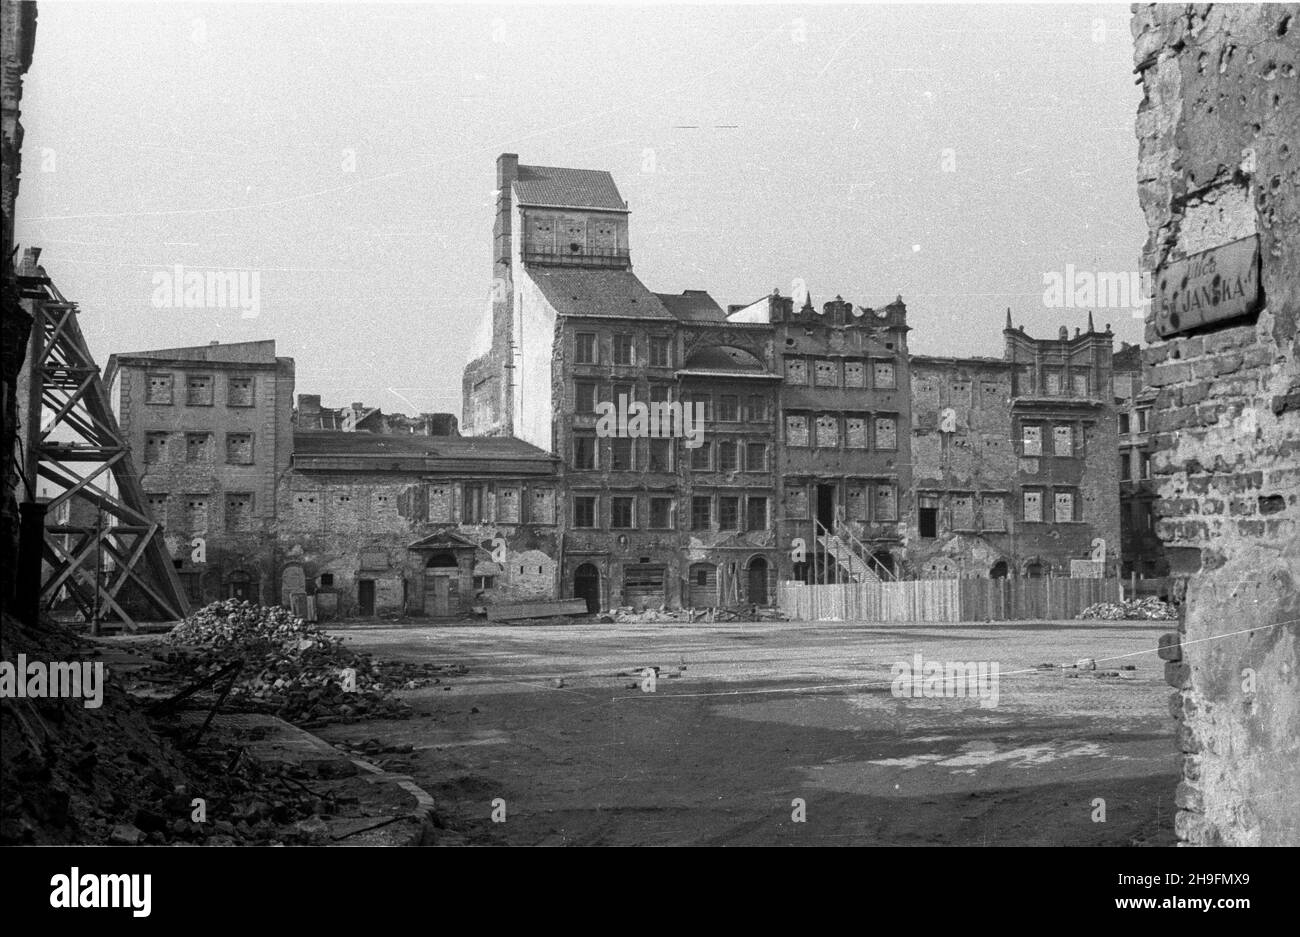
[[950, 600]]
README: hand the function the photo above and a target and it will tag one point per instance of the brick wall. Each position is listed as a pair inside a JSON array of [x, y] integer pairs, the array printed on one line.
[[1218, 162]]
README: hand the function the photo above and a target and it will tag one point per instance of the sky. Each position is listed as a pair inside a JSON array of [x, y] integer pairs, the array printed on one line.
[[344, 153]]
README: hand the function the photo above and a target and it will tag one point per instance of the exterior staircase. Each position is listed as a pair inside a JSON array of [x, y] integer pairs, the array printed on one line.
[[857, 568]]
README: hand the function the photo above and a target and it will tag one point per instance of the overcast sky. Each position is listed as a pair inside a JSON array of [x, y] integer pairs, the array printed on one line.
[[346, 153]]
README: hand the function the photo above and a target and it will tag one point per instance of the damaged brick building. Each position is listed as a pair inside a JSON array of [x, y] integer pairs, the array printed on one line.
[[828, 450]]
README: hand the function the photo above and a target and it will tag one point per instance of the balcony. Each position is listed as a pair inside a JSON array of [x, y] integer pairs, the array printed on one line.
[[578, 256]]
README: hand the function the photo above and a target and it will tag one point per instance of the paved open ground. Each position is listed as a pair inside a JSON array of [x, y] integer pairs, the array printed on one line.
[[745, 719]]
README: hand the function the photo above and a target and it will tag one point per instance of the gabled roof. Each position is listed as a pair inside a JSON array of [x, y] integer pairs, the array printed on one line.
[[555, 187], [597, 293], [693, 306]]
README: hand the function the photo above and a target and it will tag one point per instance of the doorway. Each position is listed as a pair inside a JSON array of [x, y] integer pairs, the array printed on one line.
[[366, 597], [440, 571], [239, 586], [758, 581], [826, 506], [586, 585]]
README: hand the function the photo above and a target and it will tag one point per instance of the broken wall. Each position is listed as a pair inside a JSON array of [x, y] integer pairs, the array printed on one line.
[[1219, 132]]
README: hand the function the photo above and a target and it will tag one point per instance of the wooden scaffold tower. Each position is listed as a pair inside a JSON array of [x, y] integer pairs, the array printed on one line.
[[90, 555]]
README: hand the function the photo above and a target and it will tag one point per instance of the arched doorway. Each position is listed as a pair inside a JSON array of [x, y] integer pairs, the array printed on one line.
[[441, 584], [1034, 570], [586, 585], [758, 581], [239, 586], [998, 570]]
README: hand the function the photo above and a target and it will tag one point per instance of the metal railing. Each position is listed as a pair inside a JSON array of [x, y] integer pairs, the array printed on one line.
[[583, 257], [853, 545]]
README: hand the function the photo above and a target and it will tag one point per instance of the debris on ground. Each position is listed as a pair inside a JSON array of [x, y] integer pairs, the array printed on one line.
[[1147, 609], [625, 614], [291, 668]]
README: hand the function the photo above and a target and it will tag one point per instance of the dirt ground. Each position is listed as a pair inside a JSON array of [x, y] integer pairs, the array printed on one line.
[[748, 721]]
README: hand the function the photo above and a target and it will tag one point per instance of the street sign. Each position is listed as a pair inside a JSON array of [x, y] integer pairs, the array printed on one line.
[[1210, 287]]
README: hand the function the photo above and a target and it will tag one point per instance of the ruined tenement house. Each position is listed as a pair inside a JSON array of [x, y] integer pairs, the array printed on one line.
[[1142, 550]]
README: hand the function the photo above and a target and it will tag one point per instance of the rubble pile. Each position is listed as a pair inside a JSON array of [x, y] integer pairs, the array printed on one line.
[[291, 668], [1148, 609], [628, 615]]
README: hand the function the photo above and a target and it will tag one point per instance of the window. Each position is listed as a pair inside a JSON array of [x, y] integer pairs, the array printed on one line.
[[585, 348], [155, 447], [621, 454], [1033, 507], [1143, 415], [1032, 440], [239, 511], [661, 513], [621, 512], [239, 448], [796, 371], [623, 349], [701, 458], [855, 374], [826, 372], [886, 503], [584, 397], [543, 507], [883, 372], [584, 451], [1053, 379], [728, 513], [660, 393], [1125, 467], [702, 400], [886, 432], [326, 580], [158, 507], [927, 516], [507, 505], [660, 352], [1123, 424], [158, 389], [198, 447], [484, 582], [728, 457], [796, 430], [963, 511], [1079, 383], [995, 510], [1064, 507], [196, 512], [584, 511], [728, 408], [472, 503], [1063, 440], [756, 457], [701, 512], [857, 502], [828, 431], [855, 432], [1144, 461], [198, 390], [756, 513], [624, 390], [239, 392], [661, 455], [757, 407]]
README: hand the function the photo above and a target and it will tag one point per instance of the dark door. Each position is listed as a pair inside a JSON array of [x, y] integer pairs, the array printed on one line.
[[366, 597], [586, 585], [758, 581], [826, 506]]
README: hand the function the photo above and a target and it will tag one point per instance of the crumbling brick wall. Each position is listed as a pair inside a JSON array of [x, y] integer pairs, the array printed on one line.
[[1219, 130]]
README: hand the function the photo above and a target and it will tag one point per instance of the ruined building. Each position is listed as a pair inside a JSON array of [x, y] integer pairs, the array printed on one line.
[[1142, 550], [828, 451], [1219, 184]]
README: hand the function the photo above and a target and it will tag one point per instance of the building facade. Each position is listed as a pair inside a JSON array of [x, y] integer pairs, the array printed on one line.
[[1142, 549]]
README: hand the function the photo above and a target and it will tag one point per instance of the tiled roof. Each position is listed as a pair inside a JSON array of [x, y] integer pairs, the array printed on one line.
[[330, 442], [567, 188], [693, 306], [583, 292]]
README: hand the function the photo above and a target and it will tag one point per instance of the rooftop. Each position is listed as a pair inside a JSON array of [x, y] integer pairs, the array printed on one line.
[[597, 293], [556, 187], [693, 306]]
